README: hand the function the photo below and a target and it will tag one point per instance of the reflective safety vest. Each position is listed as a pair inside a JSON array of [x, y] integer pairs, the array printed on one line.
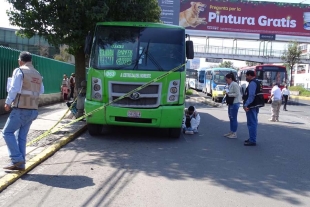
[[28, 98]]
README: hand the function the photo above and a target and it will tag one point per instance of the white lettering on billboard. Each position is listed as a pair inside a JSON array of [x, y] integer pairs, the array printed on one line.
[[262, 20]]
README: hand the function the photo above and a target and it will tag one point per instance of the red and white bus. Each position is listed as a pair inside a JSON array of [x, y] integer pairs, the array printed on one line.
[[268, 74]]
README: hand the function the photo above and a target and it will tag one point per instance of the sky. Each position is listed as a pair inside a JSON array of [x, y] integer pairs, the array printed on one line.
[[4, 22]]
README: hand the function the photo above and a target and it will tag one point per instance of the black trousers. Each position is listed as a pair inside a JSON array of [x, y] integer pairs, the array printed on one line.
[[72, 91], [285, 97]]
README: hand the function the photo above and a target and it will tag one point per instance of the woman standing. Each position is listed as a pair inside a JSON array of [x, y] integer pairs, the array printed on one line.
[[233, 102], [65, 87]]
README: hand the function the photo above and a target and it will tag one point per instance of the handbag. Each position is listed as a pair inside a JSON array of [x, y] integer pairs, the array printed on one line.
[[229, 100]]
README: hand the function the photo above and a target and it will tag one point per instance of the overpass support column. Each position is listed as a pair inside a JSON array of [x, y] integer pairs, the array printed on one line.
[[264, 49], [207, 44], [235, 45]]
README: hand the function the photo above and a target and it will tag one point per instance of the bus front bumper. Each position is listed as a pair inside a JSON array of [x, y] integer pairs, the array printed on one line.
[[161, 117]]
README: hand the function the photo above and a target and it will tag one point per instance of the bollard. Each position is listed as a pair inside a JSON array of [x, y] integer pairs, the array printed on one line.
[[81, 100]]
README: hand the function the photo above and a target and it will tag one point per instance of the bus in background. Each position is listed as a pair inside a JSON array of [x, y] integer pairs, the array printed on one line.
[[195, 78], [127, 55], [214, 77], [268, 74], [191, 78]]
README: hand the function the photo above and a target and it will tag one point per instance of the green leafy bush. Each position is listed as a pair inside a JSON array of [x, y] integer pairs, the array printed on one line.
[[189, 92], [302, 90]]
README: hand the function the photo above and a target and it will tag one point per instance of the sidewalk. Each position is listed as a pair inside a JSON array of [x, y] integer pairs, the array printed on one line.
[[39, 151]]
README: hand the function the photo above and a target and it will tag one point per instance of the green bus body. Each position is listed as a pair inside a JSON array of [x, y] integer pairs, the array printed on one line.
[[126, 55]]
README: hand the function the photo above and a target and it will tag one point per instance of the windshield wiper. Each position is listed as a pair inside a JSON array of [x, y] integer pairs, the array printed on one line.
[[148, 55], [142, 53]]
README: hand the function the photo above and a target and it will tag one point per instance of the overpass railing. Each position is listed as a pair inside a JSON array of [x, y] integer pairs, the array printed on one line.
[[239, 51]]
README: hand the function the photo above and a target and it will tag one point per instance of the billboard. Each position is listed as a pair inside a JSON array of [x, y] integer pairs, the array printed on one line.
[[236, 18], [170, 10]]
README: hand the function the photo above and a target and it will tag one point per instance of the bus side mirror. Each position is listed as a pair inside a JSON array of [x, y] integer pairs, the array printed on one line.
[[88, 43], [189, 49]]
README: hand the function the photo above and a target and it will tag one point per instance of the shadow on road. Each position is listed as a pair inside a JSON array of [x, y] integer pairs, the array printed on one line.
[[278, 167], [61, 181]]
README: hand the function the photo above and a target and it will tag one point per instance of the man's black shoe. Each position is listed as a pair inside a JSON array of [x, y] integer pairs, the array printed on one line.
[[246, 140], [249, 144], [15, 166]]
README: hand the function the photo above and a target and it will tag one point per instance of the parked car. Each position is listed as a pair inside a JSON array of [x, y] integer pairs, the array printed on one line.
[[218, 93]]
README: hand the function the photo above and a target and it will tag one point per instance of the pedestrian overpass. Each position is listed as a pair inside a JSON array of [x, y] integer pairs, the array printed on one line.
[[243, 54]]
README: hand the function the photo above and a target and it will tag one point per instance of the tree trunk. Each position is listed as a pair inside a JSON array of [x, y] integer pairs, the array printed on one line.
[[291, 76], [80, 69], [80, 75]]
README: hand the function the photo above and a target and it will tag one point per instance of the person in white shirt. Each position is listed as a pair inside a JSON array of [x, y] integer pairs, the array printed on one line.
[[285, 94], [276, 101], [23, 101], [191, 121]]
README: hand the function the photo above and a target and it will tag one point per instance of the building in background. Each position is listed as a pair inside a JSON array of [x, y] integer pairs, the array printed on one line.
[[301, 72], [35, 45]]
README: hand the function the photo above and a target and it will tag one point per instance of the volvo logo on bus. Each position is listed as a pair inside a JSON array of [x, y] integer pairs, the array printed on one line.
[[135, 96]]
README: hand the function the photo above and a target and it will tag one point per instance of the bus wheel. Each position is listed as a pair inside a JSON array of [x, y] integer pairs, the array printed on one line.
[[94, 129], [174, 132]]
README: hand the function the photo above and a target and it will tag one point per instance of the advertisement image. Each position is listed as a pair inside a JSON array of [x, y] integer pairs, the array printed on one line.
[[246, 17]]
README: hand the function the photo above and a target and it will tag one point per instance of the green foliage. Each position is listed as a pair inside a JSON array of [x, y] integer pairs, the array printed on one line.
[[189, 92], [227, 64], [291, 56], [302, 90], [248, 63]]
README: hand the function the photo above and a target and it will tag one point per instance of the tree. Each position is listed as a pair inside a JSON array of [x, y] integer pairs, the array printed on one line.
[[63, 55], [227, 64], [69, 21], [291, 57], [249, 63]]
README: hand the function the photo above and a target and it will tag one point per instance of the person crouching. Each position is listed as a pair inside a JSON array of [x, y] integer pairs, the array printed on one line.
[[191, 121]]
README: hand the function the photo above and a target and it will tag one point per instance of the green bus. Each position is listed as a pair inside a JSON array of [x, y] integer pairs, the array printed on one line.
[[127, 55]]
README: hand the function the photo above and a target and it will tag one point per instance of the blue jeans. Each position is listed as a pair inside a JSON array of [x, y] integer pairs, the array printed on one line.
[[15, 132], [233, 114], [252, 123]]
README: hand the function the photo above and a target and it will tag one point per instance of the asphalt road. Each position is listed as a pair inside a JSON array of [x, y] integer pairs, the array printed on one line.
[[140, 167]]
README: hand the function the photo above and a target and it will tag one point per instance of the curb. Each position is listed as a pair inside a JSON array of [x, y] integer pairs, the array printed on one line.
[[205, 101], [8, 179], [301, 98]]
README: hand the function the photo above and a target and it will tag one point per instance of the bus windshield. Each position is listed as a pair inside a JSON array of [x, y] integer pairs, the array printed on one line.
[[272, 75], [219, 76], [138, 48], [269, 77]]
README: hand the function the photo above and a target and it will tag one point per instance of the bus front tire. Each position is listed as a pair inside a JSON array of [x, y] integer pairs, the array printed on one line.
[[174, 132], [94, 129]]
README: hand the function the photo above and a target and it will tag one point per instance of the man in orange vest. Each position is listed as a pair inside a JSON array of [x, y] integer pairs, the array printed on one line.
[[23, 98]]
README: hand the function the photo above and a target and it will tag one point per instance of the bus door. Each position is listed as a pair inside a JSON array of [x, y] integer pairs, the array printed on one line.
[[201, 79], [208, 81]]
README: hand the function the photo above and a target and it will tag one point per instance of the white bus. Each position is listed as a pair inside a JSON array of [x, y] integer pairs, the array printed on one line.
[[195, 79], [214, 77]]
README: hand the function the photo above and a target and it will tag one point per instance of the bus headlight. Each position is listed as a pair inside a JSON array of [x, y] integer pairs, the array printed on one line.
[[96, 89], [173, 91], [172, 98]]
